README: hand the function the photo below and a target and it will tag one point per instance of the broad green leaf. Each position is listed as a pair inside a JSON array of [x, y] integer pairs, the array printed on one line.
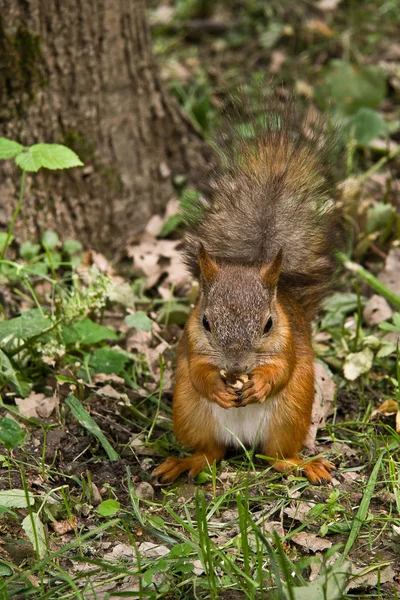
[[3, 239], [328, 586], [108, 508], [87, 332], [53, 259], [28, 162], [33, 525], [11, 434], [349, 87], [181, 550], [5, 569], [72, 246], [28, 325], [174, 313], [50, 239], [358, 363], [55, 156], [366, 125], [29, 250], [378, 216], [88, 423], [140, 321], [9, 374], [337, 306], [15, 499], [107, 360], [9, 149]]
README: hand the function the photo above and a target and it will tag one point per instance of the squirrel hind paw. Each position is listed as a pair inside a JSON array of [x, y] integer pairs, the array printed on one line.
[[317, 470]]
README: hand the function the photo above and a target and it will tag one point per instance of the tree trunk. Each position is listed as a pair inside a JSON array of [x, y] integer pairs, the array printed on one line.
[[82, 73]]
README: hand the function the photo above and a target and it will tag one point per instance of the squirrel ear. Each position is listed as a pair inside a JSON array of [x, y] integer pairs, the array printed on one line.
[[270, 273], [208, 266]]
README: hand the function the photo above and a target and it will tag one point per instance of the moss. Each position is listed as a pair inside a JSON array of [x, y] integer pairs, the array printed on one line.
[[21, 71], [81, 144]]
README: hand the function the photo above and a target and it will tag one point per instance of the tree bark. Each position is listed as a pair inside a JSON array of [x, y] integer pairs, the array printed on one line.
[[82, 73]]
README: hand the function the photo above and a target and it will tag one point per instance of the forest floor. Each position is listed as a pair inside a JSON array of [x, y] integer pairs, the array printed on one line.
[[87, 355]]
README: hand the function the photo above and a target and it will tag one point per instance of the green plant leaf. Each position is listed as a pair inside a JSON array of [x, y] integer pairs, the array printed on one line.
[[108, 508], [181, 550], [87, 332], [379, 216], [72, 246], [15, 499], [3, 239], [330, 585], [366, 125], [9, 374], [31, 525], [50, 239], [107, 360], [88, 423], [28, 161], [29, 250], [349, 87], [140, 321], [5, 569], [358, 363], [28, 325], [9, 149], [11, 434], [337, 306], [49, 156], [170, 225]]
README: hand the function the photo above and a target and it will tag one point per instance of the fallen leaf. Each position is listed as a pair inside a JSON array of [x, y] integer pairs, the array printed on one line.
[[390, 274], [63, 527], [398, 422], [109, 392], [323, 402], [311, 542], [151, 550], [358, 363], [376, 310], [318, 26], [366, 577], [299, 511], [389, 407], [36, 405], [327, 5], [121, 551], [103, 377]]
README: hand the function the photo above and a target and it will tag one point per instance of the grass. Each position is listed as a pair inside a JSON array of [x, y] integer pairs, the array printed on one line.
[[85, 518]]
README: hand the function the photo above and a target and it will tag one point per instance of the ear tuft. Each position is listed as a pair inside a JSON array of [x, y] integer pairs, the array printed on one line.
[[270, 273], [208, 266]]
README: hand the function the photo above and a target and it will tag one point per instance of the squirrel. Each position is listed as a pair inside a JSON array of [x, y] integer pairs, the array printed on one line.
[[264, 253]]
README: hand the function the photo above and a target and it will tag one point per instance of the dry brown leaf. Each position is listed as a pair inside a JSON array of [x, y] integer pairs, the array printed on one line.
[[390, 274], [311, 542], [398, 421], [389, 407], [376, 310], [36, 405], [151, 550], [323, 402], [109, 392], [63, 527], [154, 258], [318, 26], [103, 377], [370, 578], [299, 511]]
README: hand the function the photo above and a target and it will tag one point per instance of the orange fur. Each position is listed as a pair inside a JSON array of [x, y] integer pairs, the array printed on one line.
[[291, 375]]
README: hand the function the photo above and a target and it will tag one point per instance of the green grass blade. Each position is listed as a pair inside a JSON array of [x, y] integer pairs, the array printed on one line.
[[363, 508], [88, 423]]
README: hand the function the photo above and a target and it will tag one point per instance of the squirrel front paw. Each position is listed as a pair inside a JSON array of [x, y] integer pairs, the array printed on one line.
[[224, 395], [256, 390]]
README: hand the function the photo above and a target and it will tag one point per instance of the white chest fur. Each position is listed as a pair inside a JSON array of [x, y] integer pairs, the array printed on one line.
[[248, 424]]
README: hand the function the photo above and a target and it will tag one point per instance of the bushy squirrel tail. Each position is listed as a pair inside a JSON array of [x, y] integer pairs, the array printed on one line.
[[275, 188]]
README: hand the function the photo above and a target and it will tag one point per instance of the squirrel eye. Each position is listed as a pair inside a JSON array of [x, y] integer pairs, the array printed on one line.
[[268, 326], [206, 324]]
